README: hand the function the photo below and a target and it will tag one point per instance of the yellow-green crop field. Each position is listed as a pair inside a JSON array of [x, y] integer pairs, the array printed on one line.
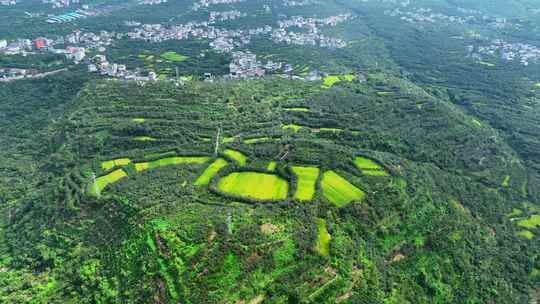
[[293, 127], [138, 120], [144, 138], [297, 109], [240, 158], [323, 239], [173, 56], [369, 167], [210, 172], [506, 181], [257, 140], [255, 185], [366, 164], [330, 130], [331, 80], [338, 190], [526, 234], [271, 166], [104, 181], [538, 85], [306, 182], [177, 160], [531, 223], [108, 165]]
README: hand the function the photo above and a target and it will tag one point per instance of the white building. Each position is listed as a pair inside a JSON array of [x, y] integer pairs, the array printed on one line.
[[3, 44]]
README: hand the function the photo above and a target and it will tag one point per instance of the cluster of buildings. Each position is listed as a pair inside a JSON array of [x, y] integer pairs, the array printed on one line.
[[12, 73], [312, 24], [100, 64], [293, 3], [208, 3], [152, 2], [524, 53], [224, 16], [67, 17], [226, 40], [246, 65], [60, 3], [8, 2]]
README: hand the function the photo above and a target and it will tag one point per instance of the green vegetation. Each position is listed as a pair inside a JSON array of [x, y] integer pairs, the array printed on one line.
[[369, 167], [271, 166], [108, 165], [260, 186], [323, 238], [331, 80], [176, 160], [102, 182], [526, 234], [139, 120], [240, 158], [531, 223], [306, 178], [210, 172], [506, 181], [297, 109], [257, 140], [173, 56], [338, 190], [144, 138], [293, 127]]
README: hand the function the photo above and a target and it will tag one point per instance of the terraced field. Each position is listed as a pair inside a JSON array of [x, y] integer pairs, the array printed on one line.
[[260, 186], [103, 181], [338, 190], [210, 172], [323, 237], [306, 182], [369, 167], [108, 165], [177, 160], [239, 157]]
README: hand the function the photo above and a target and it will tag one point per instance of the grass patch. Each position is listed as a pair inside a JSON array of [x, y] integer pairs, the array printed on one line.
[[144, 138], [138, 120], [488, 64], [330, 80], [271, 166], [257, 140], [293, 127], [307, 178], [515, 212], [380, 173], [330, 130], [177, 160], [240, 158], [384, 94], [526, 234], [537, 85], [108, 165], [261, 186], [366, 164], [338, 190], [228, 139], [323, 239], [531, 222], [476, 122], [369, 167], [298, 109], [174, 56], [506, 182], [210, 172], [103, 181]]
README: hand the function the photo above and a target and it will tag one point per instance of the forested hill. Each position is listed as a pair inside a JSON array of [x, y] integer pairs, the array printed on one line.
[[373, 189]]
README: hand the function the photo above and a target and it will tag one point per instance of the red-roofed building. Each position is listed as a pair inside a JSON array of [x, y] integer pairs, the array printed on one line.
[[40, 43]]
